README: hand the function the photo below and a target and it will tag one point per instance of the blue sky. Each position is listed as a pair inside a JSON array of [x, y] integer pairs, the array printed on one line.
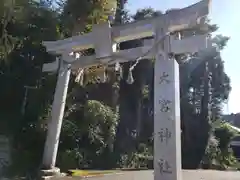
[[226, 15]]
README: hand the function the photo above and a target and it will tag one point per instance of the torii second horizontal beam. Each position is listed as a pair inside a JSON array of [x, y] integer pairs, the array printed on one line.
[[85, 61], [187, 45]]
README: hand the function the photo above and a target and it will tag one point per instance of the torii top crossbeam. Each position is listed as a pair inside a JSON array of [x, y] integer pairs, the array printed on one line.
[[175, 20]]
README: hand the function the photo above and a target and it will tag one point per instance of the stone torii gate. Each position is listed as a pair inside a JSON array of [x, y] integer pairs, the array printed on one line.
[[103, 38]]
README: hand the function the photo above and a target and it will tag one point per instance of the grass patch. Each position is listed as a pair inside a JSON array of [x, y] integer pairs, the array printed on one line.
[[83, 173]]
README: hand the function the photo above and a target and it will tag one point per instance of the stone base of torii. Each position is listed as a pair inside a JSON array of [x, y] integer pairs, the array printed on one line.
[[167, 132]]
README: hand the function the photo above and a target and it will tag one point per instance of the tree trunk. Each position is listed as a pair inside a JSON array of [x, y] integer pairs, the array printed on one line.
[[205, 114]]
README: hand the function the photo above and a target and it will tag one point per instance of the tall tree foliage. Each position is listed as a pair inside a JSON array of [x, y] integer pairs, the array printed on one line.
[[78, 16], [21, 110], [9, 12], [204, 87]]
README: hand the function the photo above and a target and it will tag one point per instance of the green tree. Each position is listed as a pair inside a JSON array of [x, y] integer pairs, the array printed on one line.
[[88, 135], [204, 87], [77, 20], [20, 120], [10, 11]]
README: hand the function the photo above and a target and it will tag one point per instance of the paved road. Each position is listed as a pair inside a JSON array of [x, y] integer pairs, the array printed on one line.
[[187, 175]]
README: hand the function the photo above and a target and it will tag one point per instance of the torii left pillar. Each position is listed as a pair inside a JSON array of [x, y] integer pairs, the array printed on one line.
[[55, 122]]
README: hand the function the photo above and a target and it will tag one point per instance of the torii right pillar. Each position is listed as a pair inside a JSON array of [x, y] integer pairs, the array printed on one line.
[[167, 128], [167, 131]]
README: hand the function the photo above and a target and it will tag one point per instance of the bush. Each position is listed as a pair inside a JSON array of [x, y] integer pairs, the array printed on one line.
[[225, 134], [88, 142], [143, 158], [218, 152], [212, 152]]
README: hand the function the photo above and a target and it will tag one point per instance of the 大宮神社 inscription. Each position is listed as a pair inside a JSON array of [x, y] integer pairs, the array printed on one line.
[[164, 167], [165, 105], [164, 78], [164, 135]]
